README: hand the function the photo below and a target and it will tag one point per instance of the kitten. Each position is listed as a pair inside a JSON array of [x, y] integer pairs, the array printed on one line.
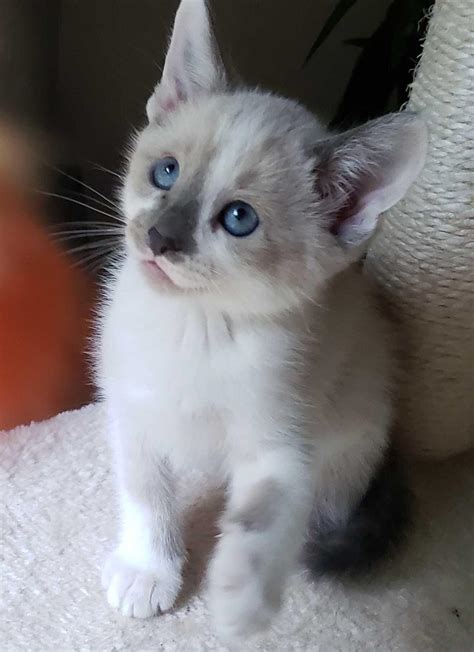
[[239, 337]]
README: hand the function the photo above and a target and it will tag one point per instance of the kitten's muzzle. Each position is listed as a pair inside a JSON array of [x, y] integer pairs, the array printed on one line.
[[161, 244], [173, 231]]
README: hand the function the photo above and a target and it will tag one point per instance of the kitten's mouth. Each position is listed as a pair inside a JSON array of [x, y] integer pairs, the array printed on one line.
[[173, 278], [157, 273]]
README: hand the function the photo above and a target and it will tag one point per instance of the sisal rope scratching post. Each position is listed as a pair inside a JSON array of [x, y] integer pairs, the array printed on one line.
[[423, 255]]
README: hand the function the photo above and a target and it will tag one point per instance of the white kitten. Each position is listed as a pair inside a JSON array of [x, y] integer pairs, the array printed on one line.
[[238, 337]]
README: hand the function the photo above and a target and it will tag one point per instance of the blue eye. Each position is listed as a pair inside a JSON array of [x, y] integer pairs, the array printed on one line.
[[239, 219], [165, 173]]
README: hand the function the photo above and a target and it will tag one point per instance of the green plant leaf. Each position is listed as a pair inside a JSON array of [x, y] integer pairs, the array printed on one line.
[[385, 65], [340, 10]]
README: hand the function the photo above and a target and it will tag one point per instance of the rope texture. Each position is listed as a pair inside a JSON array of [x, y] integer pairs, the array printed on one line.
[[423, 255]]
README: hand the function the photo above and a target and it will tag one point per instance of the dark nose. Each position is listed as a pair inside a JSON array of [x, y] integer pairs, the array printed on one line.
[[161, 244]]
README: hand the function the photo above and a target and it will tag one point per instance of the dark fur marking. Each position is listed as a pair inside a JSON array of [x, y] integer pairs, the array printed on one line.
[[256, 561], [260, 511], [376, 527], [178, 222]]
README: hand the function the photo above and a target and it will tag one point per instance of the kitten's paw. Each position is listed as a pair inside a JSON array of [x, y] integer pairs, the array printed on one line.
[[242, 603], [140, 593], [240, 611]]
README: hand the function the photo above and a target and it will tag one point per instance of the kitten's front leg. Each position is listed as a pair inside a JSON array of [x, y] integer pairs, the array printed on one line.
[[143, 576], [262, 534]]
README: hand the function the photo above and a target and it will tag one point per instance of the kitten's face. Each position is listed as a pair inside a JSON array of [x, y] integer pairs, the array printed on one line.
[[236, 211], [241, 198]]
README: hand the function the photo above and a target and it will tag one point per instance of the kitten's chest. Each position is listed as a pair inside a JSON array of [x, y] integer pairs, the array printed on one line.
[[186, 364], [182, 377], [177, 382]]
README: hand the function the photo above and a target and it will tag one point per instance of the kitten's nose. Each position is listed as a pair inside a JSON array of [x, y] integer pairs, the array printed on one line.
[[161, 244]]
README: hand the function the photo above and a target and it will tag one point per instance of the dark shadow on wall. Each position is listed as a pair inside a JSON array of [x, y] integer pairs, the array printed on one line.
[[111, 55]]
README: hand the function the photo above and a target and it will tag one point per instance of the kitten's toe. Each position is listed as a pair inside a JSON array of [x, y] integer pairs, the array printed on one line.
[[140, 593], [142, 599]]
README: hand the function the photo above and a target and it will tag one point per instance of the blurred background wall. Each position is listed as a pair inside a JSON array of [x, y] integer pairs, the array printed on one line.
[[29, 60], [86, 67], [111, 53]]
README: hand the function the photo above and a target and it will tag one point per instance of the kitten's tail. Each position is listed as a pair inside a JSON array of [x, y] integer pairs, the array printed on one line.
[[375, 528]]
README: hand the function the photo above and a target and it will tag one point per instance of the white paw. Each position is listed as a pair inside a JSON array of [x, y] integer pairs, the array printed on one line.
[[140, 593], [242, 600]]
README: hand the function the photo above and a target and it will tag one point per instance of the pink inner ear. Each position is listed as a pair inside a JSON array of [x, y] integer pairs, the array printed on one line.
[[344, 214], [169, 103], [338, 220], [173, 96]]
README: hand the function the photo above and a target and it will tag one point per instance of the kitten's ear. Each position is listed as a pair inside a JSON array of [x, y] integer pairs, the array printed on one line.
[[193, 65], [363, 172]]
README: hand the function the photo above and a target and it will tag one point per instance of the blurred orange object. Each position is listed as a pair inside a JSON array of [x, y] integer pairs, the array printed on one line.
[[45, 308]]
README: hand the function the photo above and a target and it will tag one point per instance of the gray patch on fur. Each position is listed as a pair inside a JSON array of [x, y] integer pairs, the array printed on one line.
[[178, 223], [256, 562], [261, 509]]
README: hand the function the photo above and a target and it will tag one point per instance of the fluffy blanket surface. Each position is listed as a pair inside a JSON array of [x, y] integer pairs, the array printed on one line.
[[58, 521]]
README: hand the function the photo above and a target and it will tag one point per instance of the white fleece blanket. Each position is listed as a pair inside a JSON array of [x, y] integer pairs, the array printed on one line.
[[58, 521]]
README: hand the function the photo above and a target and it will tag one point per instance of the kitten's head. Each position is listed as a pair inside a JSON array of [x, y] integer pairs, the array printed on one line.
[[240, 197]]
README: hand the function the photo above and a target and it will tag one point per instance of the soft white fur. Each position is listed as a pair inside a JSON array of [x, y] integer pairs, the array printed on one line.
[[264, 360]]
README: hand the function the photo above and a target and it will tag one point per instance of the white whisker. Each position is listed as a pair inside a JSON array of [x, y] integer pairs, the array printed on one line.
[[80, 203], [85, 185], [97, 166], [83, 195], [83, 231], [82, 262], [68, 238], [83, 223], [106, 243]]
